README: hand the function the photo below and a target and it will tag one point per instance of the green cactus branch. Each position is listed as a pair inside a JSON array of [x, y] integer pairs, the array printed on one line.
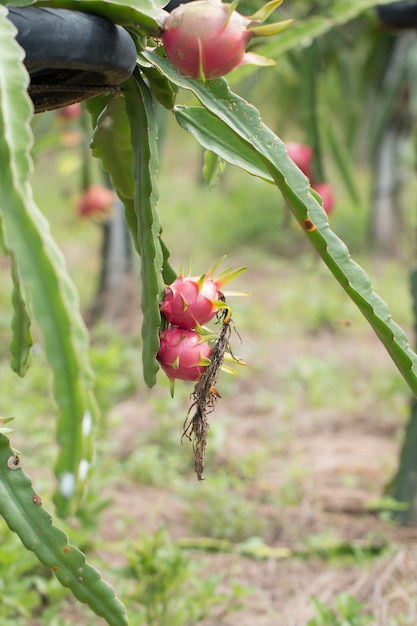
[[38, 270], [22, 509], [140, 109]]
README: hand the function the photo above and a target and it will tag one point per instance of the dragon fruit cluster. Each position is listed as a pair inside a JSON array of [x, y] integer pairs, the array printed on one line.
[[189, 303]]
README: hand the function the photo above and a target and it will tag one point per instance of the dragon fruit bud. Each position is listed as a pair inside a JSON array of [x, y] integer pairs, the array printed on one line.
[[182, 354], [208, 38], [190, 301]]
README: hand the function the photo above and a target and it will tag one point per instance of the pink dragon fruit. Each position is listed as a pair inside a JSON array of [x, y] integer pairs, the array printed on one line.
[[302, 155], [96, 201], [191, 301], [325, 191], [183, 354], [208, 38]]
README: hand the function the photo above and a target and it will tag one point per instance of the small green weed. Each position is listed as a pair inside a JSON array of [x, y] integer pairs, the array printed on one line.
[[293, 485], [115, 360], [402, 620], [221, 508], [165, 586], [348, 612], [150, 464]]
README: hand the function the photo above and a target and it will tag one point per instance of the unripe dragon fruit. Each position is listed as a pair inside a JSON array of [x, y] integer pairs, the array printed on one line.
[[183, 354], [208, 38], [191, 301]]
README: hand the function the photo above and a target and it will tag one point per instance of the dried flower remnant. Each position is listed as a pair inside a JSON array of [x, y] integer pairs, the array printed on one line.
[[205, 394]]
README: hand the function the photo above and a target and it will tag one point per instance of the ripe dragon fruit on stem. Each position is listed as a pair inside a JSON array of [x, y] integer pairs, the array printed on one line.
[[183, 354], [208, 38], [192, 301]]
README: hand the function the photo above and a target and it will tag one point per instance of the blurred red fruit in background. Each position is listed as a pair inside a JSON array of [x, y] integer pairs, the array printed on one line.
[[302, 156], [96, 201], [326, 193], [70, 112]]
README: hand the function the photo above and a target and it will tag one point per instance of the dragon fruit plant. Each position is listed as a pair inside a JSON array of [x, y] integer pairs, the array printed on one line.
[[204, 39], [208, 38]]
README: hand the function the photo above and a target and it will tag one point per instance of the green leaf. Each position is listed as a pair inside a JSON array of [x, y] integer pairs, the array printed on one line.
[[21, 342], [96, 105], [342, 160], [140, 109], [244, 120], [395, 76], [143, 13], [324, 615], [111, 143], [22, 509], [213, 135], [40, 267], [309, 78], [163, 90], [213, 168], [264, 12]]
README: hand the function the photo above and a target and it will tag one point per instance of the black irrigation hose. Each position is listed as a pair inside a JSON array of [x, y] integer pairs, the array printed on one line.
[[398, 15], [173, 4], [71, 55]]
